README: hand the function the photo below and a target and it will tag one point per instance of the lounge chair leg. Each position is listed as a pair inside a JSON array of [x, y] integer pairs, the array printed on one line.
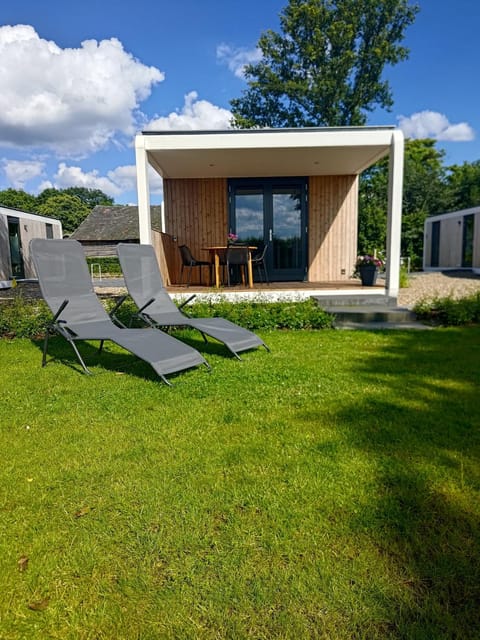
[[74, 346], [45, 347], [204, 337]]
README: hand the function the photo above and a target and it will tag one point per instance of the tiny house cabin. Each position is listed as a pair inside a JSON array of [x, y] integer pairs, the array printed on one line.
[[452, 241], [295, 190], [17, 228]]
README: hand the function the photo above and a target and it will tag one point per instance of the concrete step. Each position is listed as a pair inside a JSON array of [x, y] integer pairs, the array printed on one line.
[[372, 313], [371, 316]]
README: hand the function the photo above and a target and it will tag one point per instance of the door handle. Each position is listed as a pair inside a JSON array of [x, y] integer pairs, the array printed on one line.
[[270, 235]]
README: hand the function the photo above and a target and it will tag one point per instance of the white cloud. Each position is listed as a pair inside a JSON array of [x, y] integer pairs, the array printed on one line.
[[72, 101], [431, 124], [75, 177], [237, 58], [125, 178], [18, 172], [195, 115], [117, 181]]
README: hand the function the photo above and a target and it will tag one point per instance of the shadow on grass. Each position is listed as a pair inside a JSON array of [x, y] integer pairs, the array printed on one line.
[[418, 425], [116, 360]]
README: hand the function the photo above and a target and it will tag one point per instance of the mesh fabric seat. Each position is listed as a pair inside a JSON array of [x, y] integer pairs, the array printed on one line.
[[78, 314], [144, 283]]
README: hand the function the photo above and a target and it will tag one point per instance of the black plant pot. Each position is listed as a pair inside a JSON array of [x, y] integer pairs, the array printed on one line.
[[368, 274]]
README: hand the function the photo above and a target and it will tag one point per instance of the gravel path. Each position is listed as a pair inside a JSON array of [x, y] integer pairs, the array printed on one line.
[[429, 285]]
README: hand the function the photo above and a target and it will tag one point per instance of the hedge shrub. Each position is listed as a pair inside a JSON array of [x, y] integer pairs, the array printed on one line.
[[448, 311], [25, 318]]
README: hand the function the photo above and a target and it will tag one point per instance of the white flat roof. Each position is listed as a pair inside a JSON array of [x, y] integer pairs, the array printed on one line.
[[265, 152], [16, 213]]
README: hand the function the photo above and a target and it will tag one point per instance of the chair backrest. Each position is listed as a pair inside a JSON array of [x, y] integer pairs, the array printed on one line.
[[261, 255], [186, 255], [143, 278], [237, 255], [63, 275]]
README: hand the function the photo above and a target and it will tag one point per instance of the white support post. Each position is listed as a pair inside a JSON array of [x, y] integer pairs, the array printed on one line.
[[394, 214], [143, 191]]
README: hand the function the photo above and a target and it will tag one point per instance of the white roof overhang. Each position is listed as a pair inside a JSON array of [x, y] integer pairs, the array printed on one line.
[[265, 152]]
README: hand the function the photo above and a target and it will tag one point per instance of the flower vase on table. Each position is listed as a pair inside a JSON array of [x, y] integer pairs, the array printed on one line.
[[367, 267], [231, 239]]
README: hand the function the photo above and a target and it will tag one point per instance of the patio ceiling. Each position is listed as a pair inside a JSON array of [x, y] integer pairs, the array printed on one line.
[[265, 152]]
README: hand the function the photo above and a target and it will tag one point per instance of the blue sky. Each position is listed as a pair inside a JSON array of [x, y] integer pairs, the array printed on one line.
[[80, 79]]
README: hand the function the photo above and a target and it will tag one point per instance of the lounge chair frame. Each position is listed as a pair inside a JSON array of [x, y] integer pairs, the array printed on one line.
[[156, 308], [61, 266]]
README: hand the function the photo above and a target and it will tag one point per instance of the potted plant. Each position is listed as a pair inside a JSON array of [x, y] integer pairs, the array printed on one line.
[[367, 267]]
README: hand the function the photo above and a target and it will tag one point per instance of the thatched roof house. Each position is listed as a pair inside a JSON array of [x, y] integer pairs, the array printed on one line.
[[106, 226]]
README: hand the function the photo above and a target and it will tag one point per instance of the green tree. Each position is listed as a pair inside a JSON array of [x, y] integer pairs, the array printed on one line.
[[425, 193], [91, 197], [464, 185], [325, 67], [67, 208], [18, 199]]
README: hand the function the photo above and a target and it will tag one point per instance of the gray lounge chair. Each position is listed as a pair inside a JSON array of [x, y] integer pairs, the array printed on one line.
[[78, 314], [156, 308]]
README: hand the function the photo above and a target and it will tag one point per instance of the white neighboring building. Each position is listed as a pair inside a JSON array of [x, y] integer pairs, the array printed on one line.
[[452, 241], [17, 228]]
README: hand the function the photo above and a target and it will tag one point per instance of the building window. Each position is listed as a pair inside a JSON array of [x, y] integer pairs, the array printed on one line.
[[49, 230]]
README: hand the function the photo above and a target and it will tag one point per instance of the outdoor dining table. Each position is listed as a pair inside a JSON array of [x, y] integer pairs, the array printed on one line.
[[217, 252]]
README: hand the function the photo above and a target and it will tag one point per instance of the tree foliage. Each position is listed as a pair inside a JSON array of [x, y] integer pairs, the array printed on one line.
[[425, 193], [70, 210], [463, 183], [325, 67], [90, 197], [18, 199], [71, 206]]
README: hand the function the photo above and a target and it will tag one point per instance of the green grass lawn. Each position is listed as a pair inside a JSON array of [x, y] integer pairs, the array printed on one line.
[[329, 489]]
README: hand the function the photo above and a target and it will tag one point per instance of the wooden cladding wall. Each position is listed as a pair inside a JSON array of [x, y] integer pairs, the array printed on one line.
[[332, 227], [196, 214]]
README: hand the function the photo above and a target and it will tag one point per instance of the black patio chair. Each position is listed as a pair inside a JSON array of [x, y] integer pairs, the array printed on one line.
[[237, 257], [258, 262], [78, 314], [189, 261]]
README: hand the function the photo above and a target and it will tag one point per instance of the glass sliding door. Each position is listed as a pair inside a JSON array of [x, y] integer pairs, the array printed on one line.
[[435, 246], [248, 219], [273, 211], [287, 232], [16, 257], [467, 240]]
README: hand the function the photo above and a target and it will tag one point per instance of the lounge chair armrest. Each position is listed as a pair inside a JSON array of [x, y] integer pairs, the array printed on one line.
[[147, 304], [60, 309], [117, 306], [185, 302]]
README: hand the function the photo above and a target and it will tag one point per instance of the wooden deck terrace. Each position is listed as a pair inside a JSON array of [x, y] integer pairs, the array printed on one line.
[[274, 291]]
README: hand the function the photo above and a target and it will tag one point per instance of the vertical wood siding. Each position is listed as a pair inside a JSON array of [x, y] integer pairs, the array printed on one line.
[[332, 227], [196, 214]]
